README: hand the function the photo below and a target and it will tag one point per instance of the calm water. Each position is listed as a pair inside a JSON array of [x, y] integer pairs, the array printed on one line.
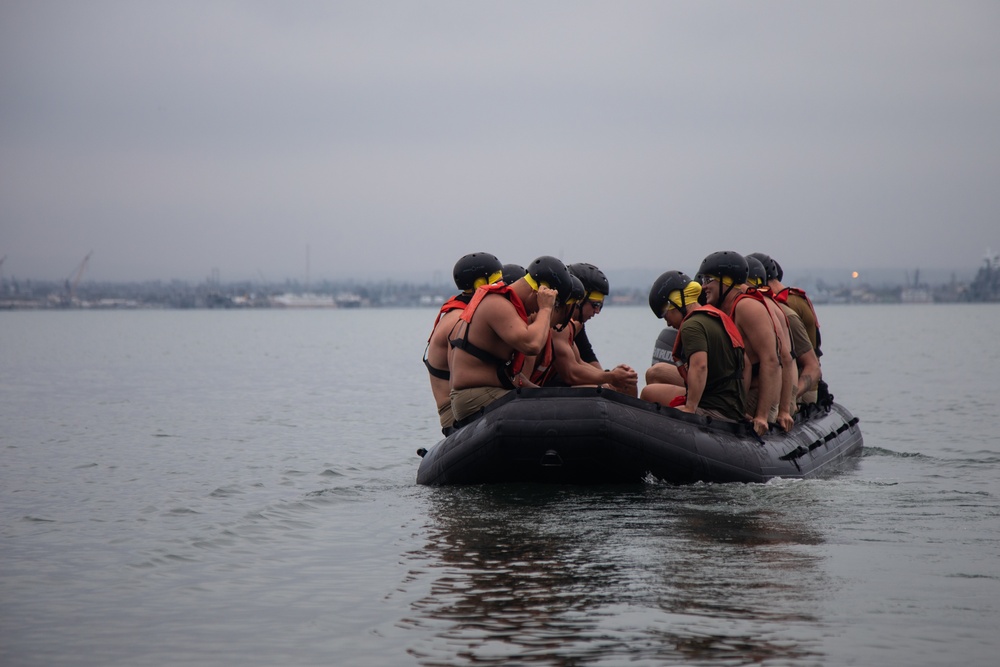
[[219, 488]]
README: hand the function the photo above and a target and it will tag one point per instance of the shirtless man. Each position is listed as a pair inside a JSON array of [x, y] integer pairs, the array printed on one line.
[[798, 300], [757, 281], [575, 362], [723, 275], [496, 331], [575, 372], [794, 298], [470, 273]]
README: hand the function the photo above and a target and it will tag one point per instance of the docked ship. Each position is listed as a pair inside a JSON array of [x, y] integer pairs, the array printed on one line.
[[986, 285], [307, 300]]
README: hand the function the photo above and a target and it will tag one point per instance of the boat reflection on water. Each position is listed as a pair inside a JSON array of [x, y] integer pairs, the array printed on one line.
[[571, 575]]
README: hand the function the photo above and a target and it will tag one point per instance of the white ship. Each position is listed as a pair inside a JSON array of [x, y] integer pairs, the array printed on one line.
[[307, 300]]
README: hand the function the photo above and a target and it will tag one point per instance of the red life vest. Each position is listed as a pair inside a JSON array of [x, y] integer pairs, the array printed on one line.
[[507, 369], [751, 293], [782, 297], [732, 331], [457, 302], [758, 295], [768, 293], [495, 288]]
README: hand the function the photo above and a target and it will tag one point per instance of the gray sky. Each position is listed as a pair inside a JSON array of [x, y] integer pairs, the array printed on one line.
[[390, 138]]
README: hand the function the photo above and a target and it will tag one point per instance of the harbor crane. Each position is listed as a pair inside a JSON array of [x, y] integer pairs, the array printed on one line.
[[71, 286]]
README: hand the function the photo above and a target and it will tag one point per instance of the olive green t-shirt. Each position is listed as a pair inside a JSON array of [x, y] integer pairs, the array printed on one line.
[[801, 306], [800, 337], [724, 391]]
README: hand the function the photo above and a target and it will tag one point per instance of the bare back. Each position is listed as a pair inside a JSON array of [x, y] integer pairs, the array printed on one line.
[[437, 355]]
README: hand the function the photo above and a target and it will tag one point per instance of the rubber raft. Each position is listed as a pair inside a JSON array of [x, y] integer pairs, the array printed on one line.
[[576, 435]]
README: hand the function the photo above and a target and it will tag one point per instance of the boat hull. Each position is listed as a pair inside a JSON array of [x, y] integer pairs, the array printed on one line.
[[589, 436]]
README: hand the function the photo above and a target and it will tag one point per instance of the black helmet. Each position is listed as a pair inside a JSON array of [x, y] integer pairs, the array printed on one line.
[[578, 293], [475, 267], [512, 273], [659, 293], [779, 275], [593, 278], [725, 263], [552, 272], [757, 275], [770, 266]]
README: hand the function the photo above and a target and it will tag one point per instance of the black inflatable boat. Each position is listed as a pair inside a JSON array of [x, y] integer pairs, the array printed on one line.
[[587, 435]]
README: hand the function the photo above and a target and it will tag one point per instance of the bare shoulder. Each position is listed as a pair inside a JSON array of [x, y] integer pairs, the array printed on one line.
[[565, 335], [496, 305], [562, 339], [751, 308]]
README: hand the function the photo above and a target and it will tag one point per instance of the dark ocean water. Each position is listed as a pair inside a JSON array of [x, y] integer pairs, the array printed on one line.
[[237, 487]]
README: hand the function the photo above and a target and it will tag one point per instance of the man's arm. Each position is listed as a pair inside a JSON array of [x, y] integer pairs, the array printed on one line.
[[756, 325], [789, 384], [512, 330], [697, 378], [571, 368], [809, 374], [575, 372]]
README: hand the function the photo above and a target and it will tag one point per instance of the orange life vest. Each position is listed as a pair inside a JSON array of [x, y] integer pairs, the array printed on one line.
[[507, 369], [457, 302], [782, 297], [732, 331], [759, 295], [751, 293]]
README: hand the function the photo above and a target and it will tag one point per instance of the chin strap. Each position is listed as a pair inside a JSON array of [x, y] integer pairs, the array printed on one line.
[[723, 295]]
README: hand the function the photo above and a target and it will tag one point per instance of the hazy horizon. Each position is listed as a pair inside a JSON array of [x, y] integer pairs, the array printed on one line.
[[620, 278], [176, 140]]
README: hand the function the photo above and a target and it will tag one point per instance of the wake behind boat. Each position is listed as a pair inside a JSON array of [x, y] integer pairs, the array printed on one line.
[[584, 435]]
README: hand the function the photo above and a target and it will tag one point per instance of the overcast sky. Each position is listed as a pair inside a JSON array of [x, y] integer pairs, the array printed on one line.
[[172, 138]]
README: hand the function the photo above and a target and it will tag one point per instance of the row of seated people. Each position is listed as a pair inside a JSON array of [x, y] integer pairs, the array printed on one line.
[[743, 348], [747, 347]]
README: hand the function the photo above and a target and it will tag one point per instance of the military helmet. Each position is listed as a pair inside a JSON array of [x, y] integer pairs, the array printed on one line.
[[550, 271], [592, 277], [578, 293], [476, 269], [756, 275], [512, 273], [770, 266], [663, 287], [725, 263]]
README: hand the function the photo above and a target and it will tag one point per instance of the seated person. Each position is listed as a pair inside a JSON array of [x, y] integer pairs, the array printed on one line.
[[540, 369], [756, 282], [709, 348], [723, 279], [495, 333], [597, 289], [808, 371], [470, 273], [570, 368]]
